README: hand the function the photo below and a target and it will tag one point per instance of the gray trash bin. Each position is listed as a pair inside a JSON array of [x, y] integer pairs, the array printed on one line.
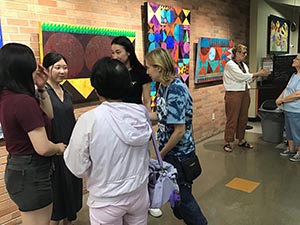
[[272, 122]]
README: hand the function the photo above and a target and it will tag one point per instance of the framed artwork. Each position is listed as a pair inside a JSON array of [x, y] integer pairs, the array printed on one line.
[[211, 57], [82, 46], [278, 35], [168, 27]]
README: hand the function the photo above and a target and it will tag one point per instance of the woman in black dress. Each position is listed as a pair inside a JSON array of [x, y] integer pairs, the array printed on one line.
[[123, 50], [67, 189]]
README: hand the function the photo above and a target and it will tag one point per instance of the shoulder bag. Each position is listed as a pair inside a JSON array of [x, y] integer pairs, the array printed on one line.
[[162, 177]]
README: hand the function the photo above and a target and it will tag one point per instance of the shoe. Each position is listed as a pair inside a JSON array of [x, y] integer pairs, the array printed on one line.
[[155, 212], [287, 152], [295, 158], [245, 144], [227, 148]]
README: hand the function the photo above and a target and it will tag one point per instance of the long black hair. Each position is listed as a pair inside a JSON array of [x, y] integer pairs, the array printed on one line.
[[17, 64], [126, 43]]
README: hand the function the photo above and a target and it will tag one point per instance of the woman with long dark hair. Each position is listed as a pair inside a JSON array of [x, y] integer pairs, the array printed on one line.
[[25, 121], [139, 92]]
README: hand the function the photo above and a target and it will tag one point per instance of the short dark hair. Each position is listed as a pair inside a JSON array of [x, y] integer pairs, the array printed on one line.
[[17, 63], [110, 78], [51, 58]]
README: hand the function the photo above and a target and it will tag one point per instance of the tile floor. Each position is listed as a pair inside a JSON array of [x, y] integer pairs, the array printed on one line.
[[245, 187]]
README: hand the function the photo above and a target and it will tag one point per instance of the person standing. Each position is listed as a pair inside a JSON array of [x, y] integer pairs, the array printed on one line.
[[236, 81], [109, 145], [25, 121], [139, 92], [67, 188], [290, 100], [174, 116]]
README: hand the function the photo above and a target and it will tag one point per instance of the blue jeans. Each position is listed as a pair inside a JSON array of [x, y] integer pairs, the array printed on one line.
[[188, 208], [292, 127]]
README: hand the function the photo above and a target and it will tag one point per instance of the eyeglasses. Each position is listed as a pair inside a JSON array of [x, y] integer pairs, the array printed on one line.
[[244, 53]]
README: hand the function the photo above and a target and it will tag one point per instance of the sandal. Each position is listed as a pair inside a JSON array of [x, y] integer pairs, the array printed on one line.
[[245, 144], [227, 148]]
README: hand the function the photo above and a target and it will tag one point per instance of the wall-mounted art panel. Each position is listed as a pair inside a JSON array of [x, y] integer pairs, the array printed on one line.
[[278, 35], [211, 57], [169, 28], [82, 46]]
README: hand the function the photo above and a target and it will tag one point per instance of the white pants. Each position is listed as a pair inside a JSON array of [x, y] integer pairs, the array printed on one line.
[[132, 209]]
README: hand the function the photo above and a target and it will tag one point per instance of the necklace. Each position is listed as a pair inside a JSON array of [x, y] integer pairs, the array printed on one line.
[[241, 66]]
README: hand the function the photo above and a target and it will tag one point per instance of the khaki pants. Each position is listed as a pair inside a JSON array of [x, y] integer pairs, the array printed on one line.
[[236, 108]]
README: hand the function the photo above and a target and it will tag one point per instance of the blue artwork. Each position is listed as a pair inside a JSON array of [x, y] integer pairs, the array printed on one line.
[[212, 55], [169, 28]]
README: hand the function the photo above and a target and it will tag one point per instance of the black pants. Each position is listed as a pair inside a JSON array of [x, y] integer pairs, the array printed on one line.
[[188, 209]]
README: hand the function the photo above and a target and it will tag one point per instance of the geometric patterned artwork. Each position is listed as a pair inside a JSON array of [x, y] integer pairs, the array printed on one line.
[[82, 46], [212, 55], [169, 28]]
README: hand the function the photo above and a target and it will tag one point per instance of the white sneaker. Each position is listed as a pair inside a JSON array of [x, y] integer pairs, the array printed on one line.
[[155, 212]]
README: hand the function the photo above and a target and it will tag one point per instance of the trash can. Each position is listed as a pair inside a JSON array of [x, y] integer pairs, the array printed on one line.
[[272, 122]]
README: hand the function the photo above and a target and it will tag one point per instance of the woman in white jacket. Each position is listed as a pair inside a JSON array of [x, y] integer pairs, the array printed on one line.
[[236, 81], [109, 146]]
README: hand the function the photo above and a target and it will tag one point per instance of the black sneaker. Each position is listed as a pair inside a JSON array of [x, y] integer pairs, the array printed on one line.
[[295, 158], [287, 152]]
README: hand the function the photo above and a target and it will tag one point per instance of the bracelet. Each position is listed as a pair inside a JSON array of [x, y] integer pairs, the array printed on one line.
[[41, 90]]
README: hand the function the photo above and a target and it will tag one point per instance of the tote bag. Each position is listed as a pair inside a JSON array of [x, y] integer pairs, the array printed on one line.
[[162, 176]]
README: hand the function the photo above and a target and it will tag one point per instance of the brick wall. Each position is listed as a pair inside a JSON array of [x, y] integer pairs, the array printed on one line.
[[209, 18]]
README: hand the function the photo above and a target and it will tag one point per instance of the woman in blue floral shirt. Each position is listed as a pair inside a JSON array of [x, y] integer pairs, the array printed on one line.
[[174, 114]]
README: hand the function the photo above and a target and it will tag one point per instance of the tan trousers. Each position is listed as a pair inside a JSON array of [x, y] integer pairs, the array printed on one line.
[[236, 108]]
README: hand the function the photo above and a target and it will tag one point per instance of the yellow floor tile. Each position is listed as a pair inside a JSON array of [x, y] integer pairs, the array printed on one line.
[[242, 184]]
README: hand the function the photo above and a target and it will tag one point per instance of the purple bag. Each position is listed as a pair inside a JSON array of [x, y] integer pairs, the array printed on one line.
[[162, 177], [162, 182]]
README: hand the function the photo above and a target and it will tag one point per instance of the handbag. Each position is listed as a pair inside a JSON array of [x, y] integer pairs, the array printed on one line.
[[162, 177], [191, 167], [162, 183]]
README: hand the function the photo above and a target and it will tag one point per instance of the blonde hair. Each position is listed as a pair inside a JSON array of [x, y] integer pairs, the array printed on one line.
[[161, 58], [238, 48]]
